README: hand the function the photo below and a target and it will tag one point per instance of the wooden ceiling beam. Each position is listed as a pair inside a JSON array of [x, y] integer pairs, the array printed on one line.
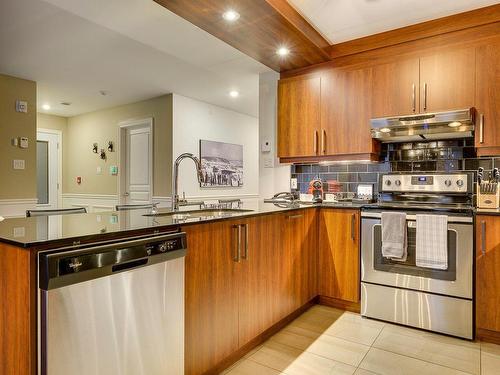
[[263, 27], [456, 22]]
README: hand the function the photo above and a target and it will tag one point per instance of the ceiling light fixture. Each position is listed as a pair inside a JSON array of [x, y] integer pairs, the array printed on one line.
[[231, 15], [46, 107], [234, 94], [282, 51]]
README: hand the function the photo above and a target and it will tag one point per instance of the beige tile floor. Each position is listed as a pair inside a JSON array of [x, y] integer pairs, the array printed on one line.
[[327, 341]]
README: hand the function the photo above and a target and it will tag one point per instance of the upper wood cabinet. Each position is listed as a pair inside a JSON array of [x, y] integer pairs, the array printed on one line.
[[447, 80], [346, 112], [339, 274], [299, 116], [395, 89], [487, 274], [488, 99]]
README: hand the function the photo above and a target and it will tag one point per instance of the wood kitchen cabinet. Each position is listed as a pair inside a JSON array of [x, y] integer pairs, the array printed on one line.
[[339, 263], [395, 88], [488, 277], [447, 80], [488, 99], [211, 296], [299, 116], [346, 112]]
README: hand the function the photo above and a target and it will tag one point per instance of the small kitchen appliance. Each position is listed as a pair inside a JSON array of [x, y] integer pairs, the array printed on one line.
[[402, 290], [316, 189]]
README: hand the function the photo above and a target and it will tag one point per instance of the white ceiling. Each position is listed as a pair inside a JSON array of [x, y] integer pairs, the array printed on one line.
[[133, 49], [343, 20]]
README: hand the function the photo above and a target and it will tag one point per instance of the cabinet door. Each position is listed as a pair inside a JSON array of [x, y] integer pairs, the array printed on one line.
[[301, 253], [339, 254], [211, 296], [488, 96], [260, 300], [298, 116], [447, 80], [487, 272], [346, 112], [395, 89]]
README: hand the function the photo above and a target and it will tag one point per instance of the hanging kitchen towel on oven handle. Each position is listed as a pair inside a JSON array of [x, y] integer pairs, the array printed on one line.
[[394, 242], [432, 241]]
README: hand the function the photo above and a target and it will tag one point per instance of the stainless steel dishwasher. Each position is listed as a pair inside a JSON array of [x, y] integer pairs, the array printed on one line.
[[113, 309]]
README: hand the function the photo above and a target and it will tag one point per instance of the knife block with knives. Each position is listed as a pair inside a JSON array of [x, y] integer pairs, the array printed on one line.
[[488, 192]]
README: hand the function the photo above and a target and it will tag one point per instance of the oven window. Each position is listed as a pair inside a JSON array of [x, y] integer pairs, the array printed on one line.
[[409, 267]]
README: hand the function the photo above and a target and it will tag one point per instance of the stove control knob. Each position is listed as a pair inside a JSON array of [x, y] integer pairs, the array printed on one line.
[[398, 182], [163, 247], [447, 183], [460, 183], [388, 182]]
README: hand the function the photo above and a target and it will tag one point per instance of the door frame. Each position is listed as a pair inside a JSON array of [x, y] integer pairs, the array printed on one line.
[[59, 162], [122, 160]]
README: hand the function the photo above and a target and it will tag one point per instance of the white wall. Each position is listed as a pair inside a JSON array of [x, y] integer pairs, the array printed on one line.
[[276, 178], [194, 120]]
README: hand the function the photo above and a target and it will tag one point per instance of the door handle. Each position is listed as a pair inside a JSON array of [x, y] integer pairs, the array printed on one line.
[[126, 194], [315, 142], [413, 97], [353, 226], [481, 128], [245, 256], [425, 96], [483, 237], [323, 141], [237, 246]]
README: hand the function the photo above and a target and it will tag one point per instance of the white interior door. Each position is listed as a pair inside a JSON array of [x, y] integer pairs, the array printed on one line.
[[48, 173], [138, 164]]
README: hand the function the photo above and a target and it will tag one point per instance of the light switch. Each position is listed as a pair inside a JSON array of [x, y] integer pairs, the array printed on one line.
[[98, 170], [18, 164], [293, 183], [268, 162]]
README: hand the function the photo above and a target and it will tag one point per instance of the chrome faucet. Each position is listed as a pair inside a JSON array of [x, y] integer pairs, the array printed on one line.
[[176, 202]]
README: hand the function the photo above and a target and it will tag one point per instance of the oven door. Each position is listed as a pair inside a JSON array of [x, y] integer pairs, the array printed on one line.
[[455, 281]]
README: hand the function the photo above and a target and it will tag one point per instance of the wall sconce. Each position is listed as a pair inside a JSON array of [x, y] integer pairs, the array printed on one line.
[[111, 146], [103, 154], [94, 148]]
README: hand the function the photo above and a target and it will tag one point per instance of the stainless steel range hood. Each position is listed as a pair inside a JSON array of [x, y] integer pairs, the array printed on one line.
[[427, 126]]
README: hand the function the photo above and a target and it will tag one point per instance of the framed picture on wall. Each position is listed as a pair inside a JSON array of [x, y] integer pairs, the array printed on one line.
[[221, 164]]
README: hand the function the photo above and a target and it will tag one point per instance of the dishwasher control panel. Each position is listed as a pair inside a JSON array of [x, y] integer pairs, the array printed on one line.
[[60, 267]]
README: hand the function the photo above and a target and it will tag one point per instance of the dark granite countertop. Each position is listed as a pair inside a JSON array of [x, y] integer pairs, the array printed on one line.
[[488, 211], [63, 230]]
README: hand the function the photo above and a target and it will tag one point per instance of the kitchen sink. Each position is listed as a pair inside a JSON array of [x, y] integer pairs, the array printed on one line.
[[209, 213]]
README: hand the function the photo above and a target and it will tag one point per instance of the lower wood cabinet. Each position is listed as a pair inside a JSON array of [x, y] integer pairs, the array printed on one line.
[[488, 277], [339, 267], [232, 299]]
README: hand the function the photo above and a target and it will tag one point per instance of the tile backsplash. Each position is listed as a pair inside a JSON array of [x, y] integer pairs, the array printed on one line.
[[436, 156]]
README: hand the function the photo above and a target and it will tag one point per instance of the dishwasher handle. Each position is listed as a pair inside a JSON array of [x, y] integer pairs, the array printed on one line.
[[62, 268]]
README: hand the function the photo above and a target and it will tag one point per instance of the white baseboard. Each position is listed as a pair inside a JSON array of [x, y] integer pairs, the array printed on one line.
[[17, 207]]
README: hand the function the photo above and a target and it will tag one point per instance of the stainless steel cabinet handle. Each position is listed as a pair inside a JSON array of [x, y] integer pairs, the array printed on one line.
[[481, 128], [323, 142], [237, 255], [483, 237], [294, 216], [245, 256], [425, 96], [315, 142], [353, 226], [413, 98]]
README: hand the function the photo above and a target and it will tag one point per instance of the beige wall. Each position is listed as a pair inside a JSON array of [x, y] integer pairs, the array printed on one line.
[[17, 184], [101, 127]]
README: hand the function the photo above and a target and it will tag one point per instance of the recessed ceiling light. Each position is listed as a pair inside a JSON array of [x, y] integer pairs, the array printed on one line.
[[234, 94], [283, 51], [231, 15], [46, 107]]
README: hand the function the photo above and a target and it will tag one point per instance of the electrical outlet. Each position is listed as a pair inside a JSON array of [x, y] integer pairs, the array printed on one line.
[[18, 164], [21, 106], [293, 183]]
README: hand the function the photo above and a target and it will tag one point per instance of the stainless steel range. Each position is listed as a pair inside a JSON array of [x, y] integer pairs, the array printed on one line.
[[402, 290]]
